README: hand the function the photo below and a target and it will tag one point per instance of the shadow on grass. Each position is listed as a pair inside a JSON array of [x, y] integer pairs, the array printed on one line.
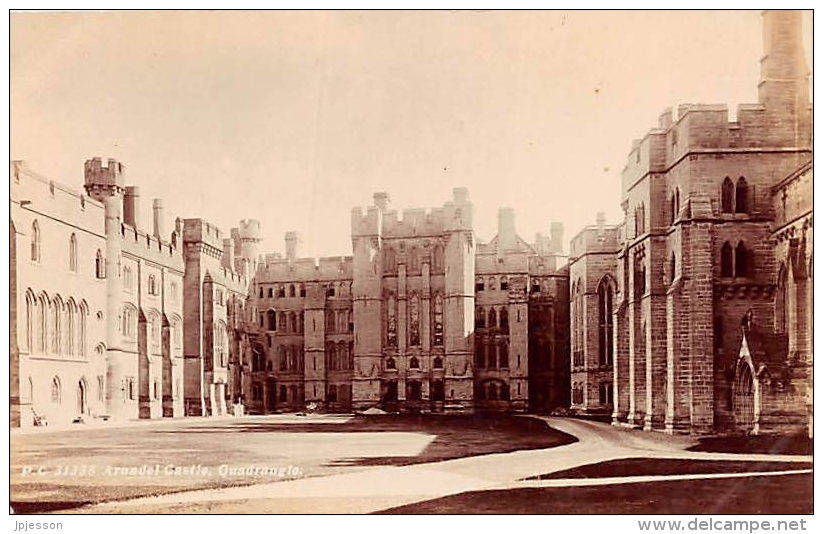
[[456, 436], [785, 494], [632, 467], [768, 444], [27, 507]]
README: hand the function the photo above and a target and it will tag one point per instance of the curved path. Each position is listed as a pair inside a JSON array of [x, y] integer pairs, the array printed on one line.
[[380, 488]]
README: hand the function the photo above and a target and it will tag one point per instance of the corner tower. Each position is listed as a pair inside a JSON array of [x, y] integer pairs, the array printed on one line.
[[367, 305], [459, 320], [106, 185]]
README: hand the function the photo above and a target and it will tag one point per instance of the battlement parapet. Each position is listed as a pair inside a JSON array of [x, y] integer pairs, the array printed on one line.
[[366, 225], [454, 215], [32, 189], [96, 174], [305, 269], [230, 279], [201, 231], [595, 239], [248, 229], [708, 127], [149, 247]]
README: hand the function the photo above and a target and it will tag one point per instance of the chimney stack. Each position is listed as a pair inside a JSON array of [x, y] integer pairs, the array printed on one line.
[[381, 200], [557, 237], [131, 206], [291, 244], [228, 253], [157, 208], [601, 222]]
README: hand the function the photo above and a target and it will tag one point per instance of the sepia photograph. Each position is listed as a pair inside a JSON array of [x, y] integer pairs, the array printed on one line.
[[414, 262]]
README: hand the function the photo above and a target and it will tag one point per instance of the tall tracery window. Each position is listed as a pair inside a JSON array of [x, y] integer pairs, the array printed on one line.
[[726, 260], [727, 196], [741, 196], [35, 241], [741, 260], [480, 318], [40, 326], [605, 298], [414, 321], [73, 253], [99, 265], [69, 338], [492, 318], [55, 326], [504, 320], [781, 302], [438, 319]]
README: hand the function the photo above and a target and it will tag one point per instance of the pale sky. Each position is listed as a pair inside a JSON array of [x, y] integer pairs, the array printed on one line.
[[293, 118]]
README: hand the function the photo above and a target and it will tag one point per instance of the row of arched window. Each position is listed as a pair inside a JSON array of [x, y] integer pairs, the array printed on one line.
[[35, 253], [490, 283], [55, 327], [734, 198], [413, 263], [283, 322], [289, 358], [129, 322], [330, 289], [339, 321], [491, 355], [414, 320], [414, 363], [340, 356], [492, 317], [735, 262], [152, 286], [491, 390]]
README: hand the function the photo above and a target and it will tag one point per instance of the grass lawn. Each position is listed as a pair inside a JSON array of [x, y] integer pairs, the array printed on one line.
[[785, 494], [767, 444], [668, 466], [61, 463]]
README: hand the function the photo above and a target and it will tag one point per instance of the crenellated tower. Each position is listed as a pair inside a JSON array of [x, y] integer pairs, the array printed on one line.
[[367, 304], [459, 301], [106, 184]]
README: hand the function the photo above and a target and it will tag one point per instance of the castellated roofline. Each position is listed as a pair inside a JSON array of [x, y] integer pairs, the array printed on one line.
[[111, 174], [378, 220]]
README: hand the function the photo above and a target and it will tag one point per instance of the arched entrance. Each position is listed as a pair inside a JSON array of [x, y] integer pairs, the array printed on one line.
[[744, 397], [82, 399]]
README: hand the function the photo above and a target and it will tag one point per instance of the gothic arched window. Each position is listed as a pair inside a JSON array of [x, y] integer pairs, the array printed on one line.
[[727, 196], [414, 321], [726, 260], [35, 241], [73, 253], [438, 319], [605, 298], [741, 196], [741, 261]]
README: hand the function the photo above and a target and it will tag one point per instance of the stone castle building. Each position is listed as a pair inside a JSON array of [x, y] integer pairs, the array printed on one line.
[[109, 318], [694, 313], [421, 317]]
